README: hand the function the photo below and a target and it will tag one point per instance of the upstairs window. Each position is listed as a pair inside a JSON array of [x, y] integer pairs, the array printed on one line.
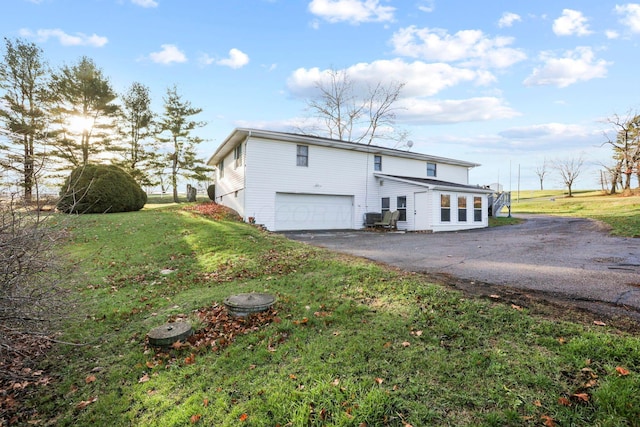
[[221, 169], [377, 163], [431, 169], [302, 158], [445, 208], [402, 208], [462, 209], [237, 155]]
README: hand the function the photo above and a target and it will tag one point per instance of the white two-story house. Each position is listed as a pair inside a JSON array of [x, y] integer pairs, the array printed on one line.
[[286, 181]]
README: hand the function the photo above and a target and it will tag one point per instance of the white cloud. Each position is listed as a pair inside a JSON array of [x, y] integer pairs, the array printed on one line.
[[546, 130], [631, 16], [470, 46], [145, 3], [508, 18], [575, 66], [427, 6], [611, 34], [169, 53], [352, 11], [78, 39], [237, 59], [421, 78], [428, 111], [205, 59], [572, 22]]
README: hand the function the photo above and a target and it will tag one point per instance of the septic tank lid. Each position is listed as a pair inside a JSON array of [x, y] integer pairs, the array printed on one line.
[[167, 334], [243, 304]]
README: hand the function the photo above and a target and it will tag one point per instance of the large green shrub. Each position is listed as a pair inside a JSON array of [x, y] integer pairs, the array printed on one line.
[[211, 192], [101, 189]]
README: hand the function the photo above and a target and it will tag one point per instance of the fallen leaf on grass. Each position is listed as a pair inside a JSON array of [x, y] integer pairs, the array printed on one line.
[[599, 323], [379, 380], [516, 307], [86, 403], [583, 397], [406, 344], [244, 417], [622, 371], [195, 418], [144, 378], [548, 421], [90, 379], [190, 360], [205, 402], [564, 401]]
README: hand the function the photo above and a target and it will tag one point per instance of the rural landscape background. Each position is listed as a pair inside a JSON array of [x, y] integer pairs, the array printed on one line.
[[141, 92]]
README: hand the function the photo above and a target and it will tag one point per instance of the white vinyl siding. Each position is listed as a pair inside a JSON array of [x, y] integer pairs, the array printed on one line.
[[270, 169]]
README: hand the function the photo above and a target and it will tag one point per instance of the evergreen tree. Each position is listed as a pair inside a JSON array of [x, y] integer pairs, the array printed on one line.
[[176, 127], [85, 112], [23, 111], [136, 130]]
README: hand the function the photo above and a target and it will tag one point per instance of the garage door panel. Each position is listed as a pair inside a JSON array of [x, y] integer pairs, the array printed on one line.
[[313, 212]]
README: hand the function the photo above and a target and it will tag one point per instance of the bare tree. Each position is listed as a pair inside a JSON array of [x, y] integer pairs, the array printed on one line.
[[569, 170], [541, 170], [343, 114], [30, 298], [626, 147]]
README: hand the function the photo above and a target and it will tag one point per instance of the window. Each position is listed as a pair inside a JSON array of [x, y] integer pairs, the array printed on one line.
[[402, 208], [385, 205], [302, 152], [377, 163], [462, 209], [431, 169], [237, 155], [477, 209], [221, 169], [445, 208]]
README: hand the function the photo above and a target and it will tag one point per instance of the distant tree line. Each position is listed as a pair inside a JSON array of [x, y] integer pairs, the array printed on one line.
[[56, 120]]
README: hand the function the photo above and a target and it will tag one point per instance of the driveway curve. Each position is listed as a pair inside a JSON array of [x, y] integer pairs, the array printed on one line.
[[568, 261]]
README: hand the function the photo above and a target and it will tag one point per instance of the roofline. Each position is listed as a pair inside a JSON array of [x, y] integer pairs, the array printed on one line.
[[448, 186], [241, 134]]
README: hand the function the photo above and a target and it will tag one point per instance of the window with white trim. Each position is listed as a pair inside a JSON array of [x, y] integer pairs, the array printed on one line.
[[432, 169], [385, 204], [237, 155], [477, 209], [221, 169], [401, 205], [462, 208], [445, 208], [302, 155], [377, 163]]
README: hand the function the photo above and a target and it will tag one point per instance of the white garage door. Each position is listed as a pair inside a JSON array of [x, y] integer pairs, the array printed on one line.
[[313, 212]]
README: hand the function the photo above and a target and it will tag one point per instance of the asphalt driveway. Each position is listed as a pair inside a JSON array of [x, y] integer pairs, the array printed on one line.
[[571, 261]]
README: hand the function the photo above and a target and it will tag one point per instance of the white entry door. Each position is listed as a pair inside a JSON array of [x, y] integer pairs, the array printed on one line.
[[421, 211]]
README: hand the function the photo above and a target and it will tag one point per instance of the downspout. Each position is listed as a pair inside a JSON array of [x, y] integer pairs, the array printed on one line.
[[244, 165]]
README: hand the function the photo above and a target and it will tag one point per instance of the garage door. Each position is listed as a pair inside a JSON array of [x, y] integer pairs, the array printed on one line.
[[313, 212]]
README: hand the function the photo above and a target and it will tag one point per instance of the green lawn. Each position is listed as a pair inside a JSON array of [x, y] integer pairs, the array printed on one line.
[[353, 343], [621, 213]]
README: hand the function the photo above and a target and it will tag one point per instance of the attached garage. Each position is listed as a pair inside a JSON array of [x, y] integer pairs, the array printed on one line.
[[313, 212]]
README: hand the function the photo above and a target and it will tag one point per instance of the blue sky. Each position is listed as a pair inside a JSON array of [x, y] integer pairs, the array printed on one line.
[[505, 84]]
